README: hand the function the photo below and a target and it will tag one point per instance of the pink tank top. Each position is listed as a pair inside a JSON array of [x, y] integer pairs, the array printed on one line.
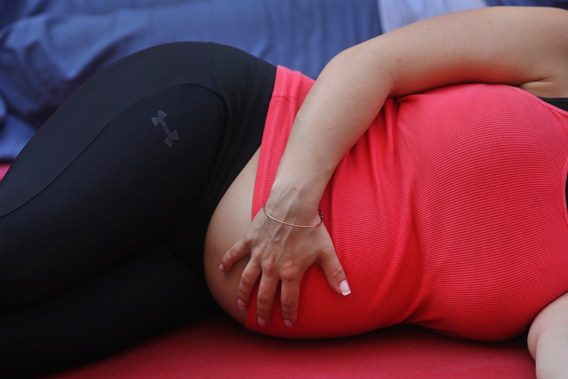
[[448, 213]]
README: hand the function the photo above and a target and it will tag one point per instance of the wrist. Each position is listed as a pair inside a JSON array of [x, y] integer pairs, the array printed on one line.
[[289, 205]]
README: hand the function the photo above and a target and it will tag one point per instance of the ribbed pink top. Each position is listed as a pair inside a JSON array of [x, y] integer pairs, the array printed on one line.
[[448, 213]]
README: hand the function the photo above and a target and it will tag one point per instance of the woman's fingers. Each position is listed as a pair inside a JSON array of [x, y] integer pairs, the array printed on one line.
[[237, 252], [334, 273], [250, 276], [289, 299], [265, 298]]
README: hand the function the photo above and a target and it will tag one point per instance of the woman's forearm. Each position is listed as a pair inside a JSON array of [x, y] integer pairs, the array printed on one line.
[[339, 108]]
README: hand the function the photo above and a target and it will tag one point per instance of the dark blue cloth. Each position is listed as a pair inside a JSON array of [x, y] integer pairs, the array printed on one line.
[[50, 47], [531, 3]]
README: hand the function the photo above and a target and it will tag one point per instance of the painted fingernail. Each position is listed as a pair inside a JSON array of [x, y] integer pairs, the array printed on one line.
[[240, 304], [344, 288], [287, 323], [222, 268], [261, 321]]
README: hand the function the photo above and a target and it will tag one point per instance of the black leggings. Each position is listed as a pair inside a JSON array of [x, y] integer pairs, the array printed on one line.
[[104, 213]]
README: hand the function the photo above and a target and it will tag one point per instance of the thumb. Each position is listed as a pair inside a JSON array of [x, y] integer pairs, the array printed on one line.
[[335, 275]]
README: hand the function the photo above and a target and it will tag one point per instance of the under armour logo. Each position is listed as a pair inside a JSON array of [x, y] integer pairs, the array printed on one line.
[[171, 136]]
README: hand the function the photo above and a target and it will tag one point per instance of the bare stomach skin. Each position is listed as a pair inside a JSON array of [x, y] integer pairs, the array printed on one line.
[[229, 223]]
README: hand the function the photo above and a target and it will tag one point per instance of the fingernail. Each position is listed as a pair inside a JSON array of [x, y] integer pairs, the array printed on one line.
[[344, 288], [261, 321], [287, 323], [222, 268], [240, 304]]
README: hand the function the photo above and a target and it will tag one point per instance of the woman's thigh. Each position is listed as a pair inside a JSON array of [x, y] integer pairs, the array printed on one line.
[[113, 170]]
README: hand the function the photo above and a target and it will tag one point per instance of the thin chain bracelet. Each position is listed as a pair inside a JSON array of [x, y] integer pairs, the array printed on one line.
[[294, 225]]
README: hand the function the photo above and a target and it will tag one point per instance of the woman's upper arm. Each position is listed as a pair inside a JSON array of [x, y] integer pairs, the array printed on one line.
[[510, 45]]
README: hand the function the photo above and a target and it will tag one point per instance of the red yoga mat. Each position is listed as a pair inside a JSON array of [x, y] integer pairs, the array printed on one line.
[[221, 348]]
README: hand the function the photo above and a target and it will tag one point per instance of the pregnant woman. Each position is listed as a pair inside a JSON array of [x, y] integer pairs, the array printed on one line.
[[392, 192]]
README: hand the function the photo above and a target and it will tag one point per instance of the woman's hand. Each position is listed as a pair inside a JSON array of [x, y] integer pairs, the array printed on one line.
[[282, 253]]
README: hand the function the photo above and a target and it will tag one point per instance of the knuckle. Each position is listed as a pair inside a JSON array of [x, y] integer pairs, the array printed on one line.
[[289, 274], [226, 261], [242, 295], [336, 273], [269, 267], [247, 280], [228, 257], [264, 299], [288, 303], [254, 260], [247, 243]]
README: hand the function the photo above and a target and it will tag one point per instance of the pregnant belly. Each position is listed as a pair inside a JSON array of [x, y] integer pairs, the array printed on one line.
[[228, 224]]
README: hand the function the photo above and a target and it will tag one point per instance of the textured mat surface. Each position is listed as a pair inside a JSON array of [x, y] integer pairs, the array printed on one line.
[[219, 347]]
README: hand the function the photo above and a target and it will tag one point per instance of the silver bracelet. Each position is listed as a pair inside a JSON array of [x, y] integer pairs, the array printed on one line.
[[294, 225]]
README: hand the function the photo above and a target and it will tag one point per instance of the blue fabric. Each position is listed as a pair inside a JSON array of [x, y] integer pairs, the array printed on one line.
[[11, 11], [535, 3], [48, 48], [14, 134]]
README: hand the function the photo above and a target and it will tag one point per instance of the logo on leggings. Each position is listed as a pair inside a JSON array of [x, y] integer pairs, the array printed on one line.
[[170, 136]]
